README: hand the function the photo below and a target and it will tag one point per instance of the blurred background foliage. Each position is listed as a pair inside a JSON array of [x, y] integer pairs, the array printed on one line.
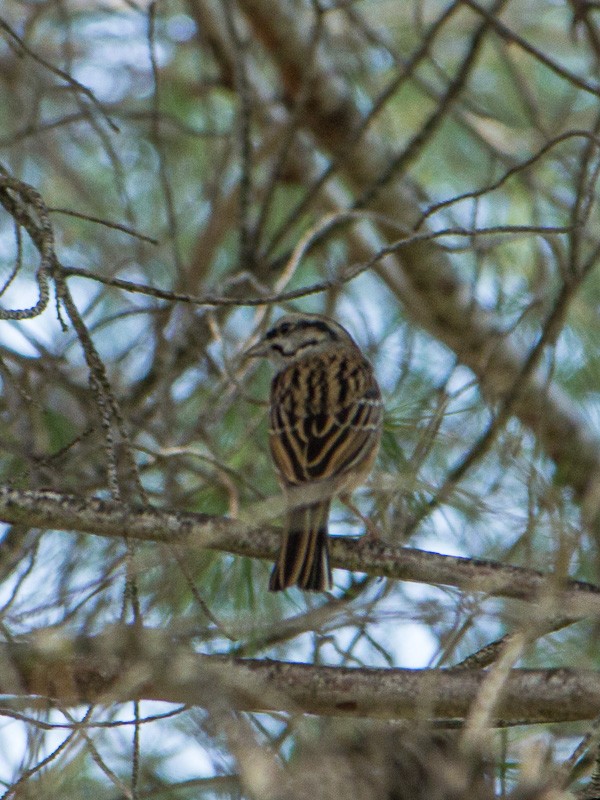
[[171, 144]]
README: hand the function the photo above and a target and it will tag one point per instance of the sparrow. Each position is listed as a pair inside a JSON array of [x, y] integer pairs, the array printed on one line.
[[325, 427]]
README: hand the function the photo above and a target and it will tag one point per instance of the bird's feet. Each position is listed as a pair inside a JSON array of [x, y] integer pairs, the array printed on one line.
[[371, 533]]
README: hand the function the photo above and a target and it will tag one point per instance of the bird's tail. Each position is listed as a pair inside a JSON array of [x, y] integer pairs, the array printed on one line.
[[304, 554]]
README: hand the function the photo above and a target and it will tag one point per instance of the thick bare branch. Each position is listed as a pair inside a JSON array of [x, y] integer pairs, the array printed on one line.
[[128, 663], [105, 518]]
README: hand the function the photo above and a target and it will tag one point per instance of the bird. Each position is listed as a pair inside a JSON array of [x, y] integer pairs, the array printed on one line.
[[325, 426]]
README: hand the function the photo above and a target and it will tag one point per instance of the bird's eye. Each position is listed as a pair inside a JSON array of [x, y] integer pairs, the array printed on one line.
[[278, 330]]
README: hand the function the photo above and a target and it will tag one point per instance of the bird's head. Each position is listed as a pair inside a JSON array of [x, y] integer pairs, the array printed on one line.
[[296, 336]]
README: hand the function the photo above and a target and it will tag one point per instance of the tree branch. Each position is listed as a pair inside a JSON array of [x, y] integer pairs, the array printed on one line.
[[128, 663], [47, 509]]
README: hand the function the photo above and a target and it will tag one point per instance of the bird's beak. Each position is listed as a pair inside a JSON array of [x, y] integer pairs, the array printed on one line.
[[259, 349]]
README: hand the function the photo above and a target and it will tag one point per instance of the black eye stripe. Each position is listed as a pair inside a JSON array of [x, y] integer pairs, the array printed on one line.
[[301, 325], [278, 330], [281, 349], [318, 325]]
